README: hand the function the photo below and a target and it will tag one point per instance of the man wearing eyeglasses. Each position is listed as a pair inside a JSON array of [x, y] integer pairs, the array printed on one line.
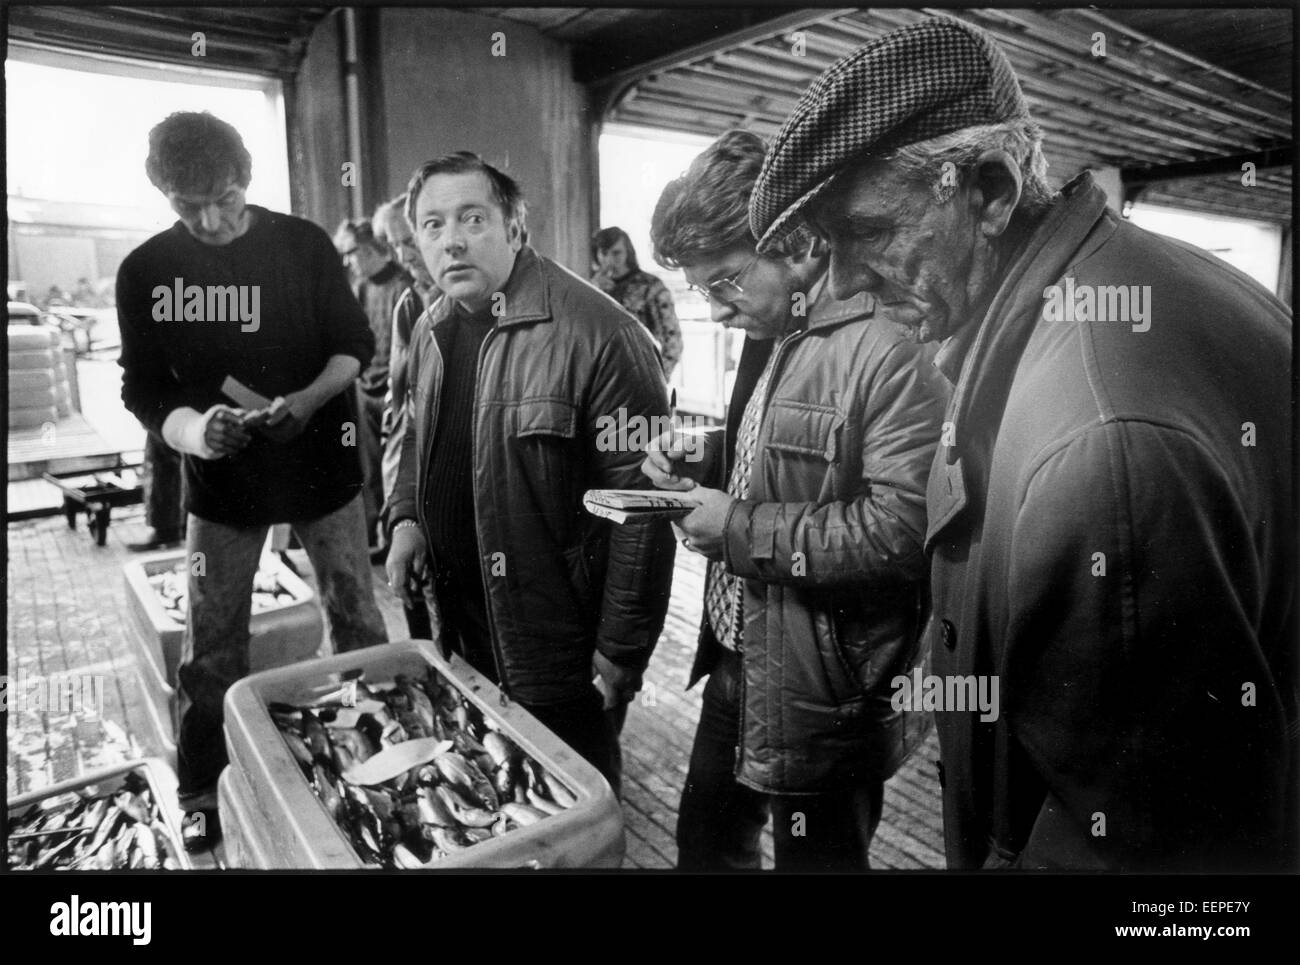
[[815, 591]]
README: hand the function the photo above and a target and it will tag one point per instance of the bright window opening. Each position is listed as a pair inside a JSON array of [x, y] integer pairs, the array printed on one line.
[[77, 133], [1254, 247], [636, 164]]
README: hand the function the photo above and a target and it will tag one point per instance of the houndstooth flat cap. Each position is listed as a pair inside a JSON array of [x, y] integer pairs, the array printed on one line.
[[912, 84]]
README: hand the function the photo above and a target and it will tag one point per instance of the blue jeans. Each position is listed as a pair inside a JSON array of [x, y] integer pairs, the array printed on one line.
[[720, 820], [220, 602]]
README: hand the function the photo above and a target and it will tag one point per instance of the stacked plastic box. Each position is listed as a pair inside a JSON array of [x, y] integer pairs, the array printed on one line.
[[105, 782], [283, 635], [271, 818]]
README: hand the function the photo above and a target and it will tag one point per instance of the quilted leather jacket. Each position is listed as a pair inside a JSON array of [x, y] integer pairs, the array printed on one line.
[[830, 545], [559, 582]]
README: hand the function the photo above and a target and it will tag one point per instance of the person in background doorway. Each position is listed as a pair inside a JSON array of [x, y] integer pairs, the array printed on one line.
[[379, 282], [647, 298], [391, 227], [84, 294]]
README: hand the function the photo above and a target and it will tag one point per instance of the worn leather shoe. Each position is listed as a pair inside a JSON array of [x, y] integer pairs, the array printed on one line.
[[156, 541]]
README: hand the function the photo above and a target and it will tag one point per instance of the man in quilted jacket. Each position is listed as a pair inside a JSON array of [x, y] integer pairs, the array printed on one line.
[[815, 591]]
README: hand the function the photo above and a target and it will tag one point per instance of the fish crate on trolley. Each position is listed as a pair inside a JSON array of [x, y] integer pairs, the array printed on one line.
[[283, 633], [272, 818], [37, 807]]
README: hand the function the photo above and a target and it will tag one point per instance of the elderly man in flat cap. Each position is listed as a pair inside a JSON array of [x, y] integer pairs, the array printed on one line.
[[1110, 516]]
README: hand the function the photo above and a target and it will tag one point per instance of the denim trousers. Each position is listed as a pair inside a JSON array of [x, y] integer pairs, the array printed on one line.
[[215, 651], [720, 820]]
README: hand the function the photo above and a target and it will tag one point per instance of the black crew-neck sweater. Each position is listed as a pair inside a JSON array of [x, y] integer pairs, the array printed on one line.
[[306, 313], [449, 499]]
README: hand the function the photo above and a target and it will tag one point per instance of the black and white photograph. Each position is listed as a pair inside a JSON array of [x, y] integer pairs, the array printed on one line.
[[652, 441]]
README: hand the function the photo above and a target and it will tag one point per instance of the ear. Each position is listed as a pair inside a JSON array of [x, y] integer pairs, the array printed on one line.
[[995, 191], [514, 234], [814, 250]]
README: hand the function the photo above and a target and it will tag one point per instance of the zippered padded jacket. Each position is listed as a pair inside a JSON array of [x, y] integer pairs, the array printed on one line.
[[561, 361]]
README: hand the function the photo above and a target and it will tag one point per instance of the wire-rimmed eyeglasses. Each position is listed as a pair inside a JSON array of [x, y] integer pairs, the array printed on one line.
[[724, 290]]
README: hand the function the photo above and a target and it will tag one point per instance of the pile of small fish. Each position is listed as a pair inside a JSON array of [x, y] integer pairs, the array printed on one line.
[[85, 830], [172, 586], [413, 772]]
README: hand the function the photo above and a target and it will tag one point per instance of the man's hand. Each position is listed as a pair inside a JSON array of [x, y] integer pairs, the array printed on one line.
[[289, 415], [703, 528], [408, 554], [225, 433], [618, 684], [676, 460]]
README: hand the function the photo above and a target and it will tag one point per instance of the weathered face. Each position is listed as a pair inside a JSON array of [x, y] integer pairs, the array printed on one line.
[[217, 218], [402, 239], [763, 305], [614, 259], [922, 260]]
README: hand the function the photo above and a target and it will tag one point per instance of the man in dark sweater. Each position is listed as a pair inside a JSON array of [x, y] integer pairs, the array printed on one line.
[[233, 289], [380, 283]]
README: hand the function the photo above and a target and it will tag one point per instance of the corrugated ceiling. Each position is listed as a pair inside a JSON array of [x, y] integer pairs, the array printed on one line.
[[1145, 105], [257, 39], [1176, 86]]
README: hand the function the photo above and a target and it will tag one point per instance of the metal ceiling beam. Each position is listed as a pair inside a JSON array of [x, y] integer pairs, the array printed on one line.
[[608, 91], [1273, 158], [1136, 180], [1197, 63], [1121, 72], [1057, 93]]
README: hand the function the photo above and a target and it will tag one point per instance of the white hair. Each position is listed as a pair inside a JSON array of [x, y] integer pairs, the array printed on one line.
[[396, 208]]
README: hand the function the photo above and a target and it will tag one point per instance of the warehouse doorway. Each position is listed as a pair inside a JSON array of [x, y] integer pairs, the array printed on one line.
[[79, 201], [636, 163]]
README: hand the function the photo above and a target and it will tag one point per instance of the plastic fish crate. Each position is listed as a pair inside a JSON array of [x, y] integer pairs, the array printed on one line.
[[295, 831], [238, 839], [162, 785], [283, 635]]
